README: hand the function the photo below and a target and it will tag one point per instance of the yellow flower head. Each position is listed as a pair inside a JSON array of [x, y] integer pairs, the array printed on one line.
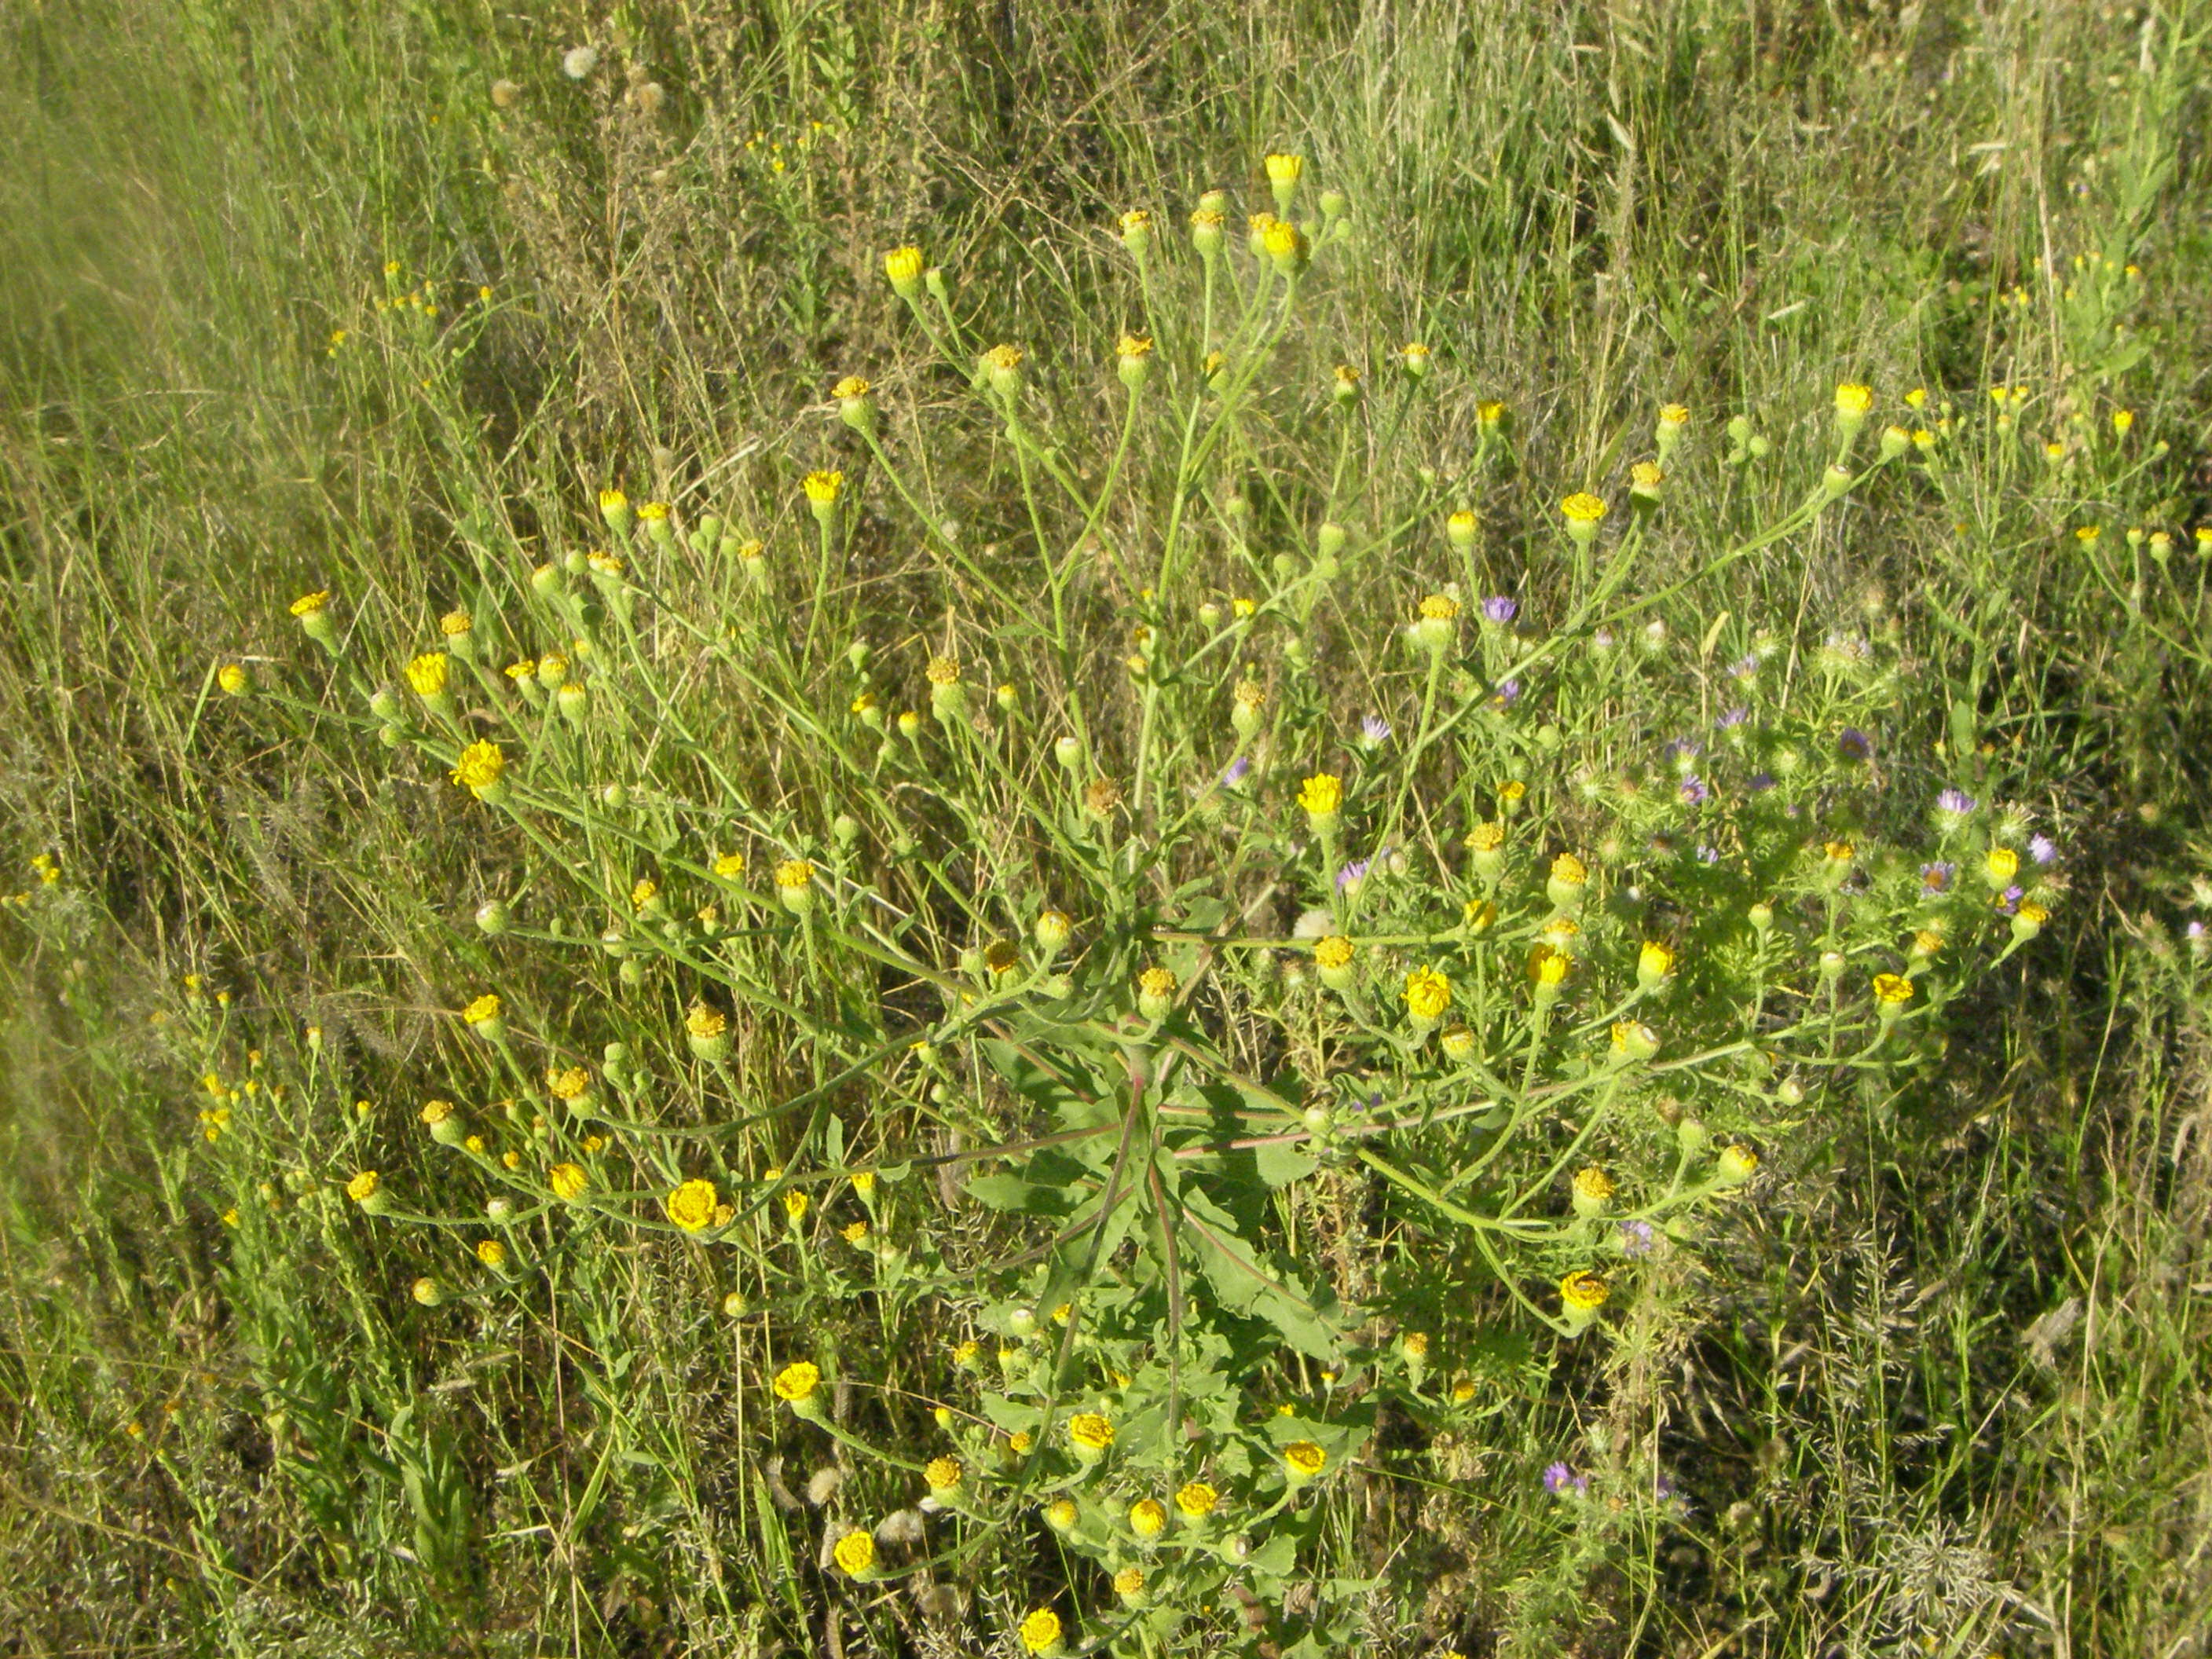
[[822, 489], [427, 674], [1490, 413], [2004, 864], [943, 670], [850, 387], [1304, 1460], [232, 678], [797, 1382], [1130, 1583], [1583, 507], [795, 1204], [525, 670], [644, 892], [1512, 792], [1136, 222], [1439, 607], [1091, 1431], [1003, 359], [1286, 244], [613, 502], [1156, 982], [1570, 869], [485, 1007], [1654, 960], [1134, 346], [855, 1553], [454, 624], [794, 873], [1853, 400], [1196, 1499], [1334, 951], [363, 1186], [903, 266], [1583, 1291], [1673, 415], [730, 865], [1893, 990], [1548, 965], [944, 1473], [310, 604], [491, 1253], [479, 766], [1322, 795], [1040, 1631], [435, 1112], [1285, 169], [571, 1084], [1487, 837], [706, 1022], [1148, 1518], [1593, 1185], [691, 1206], [1840, 852], [1428, 994]]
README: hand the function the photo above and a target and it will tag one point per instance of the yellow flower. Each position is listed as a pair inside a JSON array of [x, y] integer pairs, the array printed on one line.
[[310, 604], [1039, 1631], [903, 266], [1582, 508], [794, 873], [1569, 870], [1489, 414], [864, 1182], [1003, 359], [1840, 852], [1285, 244], [797, 1382], [567, 1180], [1334, 951], [691, 1205], [428, 674], [1736, 1163], [850, 387], [1893, 990], [1853, 400], [1428, 994], [491, 1253], [1134, 346], [454, 624], [855, 1553], [1156, 982], [232, 678], [1654, 962], [1439, 607], [1091, 1431], [1583, 1291], [944, 1473], [1130, 1584], [2004, 864], [1415, 356], [705, 1023], [479, 766], [1547, 966], [822, 489], [1593, 1185], [482, 1011], [363, 1186], [1304, 1459], [1196, 1499], [1673, 415], [855, 1233], [795, 1204], [1284, 169], [943, 670], [1321, 795], [1147, 1517]]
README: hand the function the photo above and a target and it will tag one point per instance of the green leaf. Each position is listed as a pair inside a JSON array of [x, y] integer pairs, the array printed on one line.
[[1279, 1162]]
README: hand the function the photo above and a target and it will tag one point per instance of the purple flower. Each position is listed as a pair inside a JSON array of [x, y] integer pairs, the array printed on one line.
[[1237, 768], [1732, 718], [1937, 877], [1355, 872], [1559, 1480], [1681, 749], [2042, 849], [2008, 900], [1855, 744], [1509, 693], [1374, 729], [1636, 1238], [1602, 638], [1744, 667], [1694, 792], [1500, 609], [1761, 782], [1709, 855], [1954, 803]]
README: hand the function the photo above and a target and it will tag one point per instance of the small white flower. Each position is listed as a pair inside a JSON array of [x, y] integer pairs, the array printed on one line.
[[579, 62]]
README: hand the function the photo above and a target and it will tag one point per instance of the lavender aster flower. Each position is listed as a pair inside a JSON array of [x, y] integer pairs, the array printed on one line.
[[1636, 1237], [1679, 750], [2008, 900], [1732, 718], [1761, 782], [1744, 667], [1353, 875], [1953, 803], [1237, 768], [2042, 849], [1509, 693], [1500, 609], [1855, 744], [1374, 730], [1694, 792], [1937, 877], [1560, 1480]]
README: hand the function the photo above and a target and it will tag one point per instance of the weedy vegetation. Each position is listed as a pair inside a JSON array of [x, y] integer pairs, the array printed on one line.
[[1187, 829]]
